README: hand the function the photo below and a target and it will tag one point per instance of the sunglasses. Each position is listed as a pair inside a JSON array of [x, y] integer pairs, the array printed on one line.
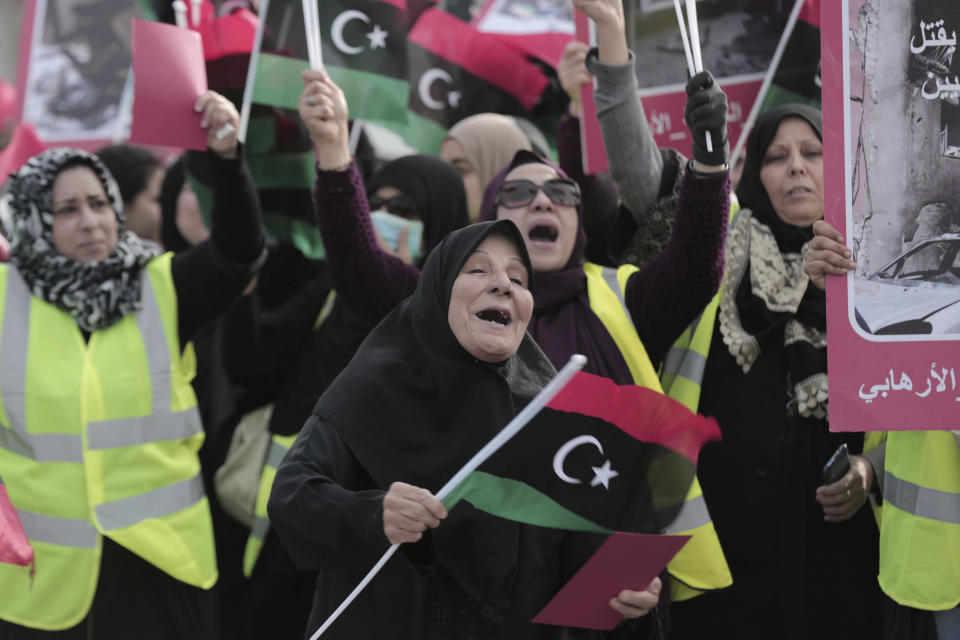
[[520, 193], [401, 205]]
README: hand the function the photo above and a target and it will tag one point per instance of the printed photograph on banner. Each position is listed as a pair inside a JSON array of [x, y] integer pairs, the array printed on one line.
[[76, 71], [540, 28], [527, 16], [892, 187]]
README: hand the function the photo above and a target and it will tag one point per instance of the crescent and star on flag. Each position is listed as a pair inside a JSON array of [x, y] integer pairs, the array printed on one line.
[[602, 474], [378, 40]]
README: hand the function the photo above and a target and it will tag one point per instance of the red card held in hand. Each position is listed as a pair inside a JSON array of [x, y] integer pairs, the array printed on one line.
[[624, 561]]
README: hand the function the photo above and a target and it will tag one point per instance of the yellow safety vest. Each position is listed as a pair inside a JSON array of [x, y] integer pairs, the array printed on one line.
[[700, 565], [279, 445], [98, 439], [920, 529]]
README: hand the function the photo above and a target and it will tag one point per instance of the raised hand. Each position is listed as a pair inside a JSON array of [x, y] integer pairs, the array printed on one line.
[[220, 118], [706, 110], [573, 73], [611, 38], [323, 110]]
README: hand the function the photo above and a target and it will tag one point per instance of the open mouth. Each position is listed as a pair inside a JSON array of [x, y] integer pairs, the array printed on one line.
[[543, 233], [496, 316], [797, 191]]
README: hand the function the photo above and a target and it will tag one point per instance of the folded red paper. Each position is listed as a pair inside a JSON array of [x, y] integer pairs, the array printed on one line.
[[169, 75], [624, 561]]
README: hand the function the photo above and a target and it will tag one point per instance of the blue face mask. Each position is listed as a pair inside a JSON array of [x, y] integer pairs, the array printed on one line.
[[388, 226]]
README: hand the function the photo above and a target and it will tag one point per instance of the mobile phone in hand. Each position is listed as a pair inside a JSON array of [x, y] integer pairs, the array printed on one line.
[[837, 466]]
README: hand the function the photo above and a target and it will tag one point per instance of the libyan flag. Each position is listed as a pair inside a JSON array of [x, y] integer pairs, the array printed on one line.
[[599, 457], [797, 77], [456, 71], [364, 52]]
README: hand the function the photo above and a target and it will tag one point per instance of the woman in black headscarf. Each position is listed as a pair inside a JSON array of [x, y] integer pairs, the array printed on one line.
[[428, 388], [803, 556]]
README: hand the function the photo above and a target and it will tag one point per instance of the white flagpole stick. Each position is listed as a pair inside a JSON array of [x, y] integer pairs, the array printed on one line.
[[355, 136], [252, 72], [546, 394], [180, 13], [195, 13], [683, 37], [767, 80], [697, 58], [307, 31]]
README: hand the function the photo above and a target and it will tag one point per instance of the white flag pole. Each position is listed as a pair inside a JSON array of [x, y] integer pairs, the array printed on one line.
[[252, 72], [683, 37], [546, 394], [767, 80], [180, 14], [695, 49], [311, 22]]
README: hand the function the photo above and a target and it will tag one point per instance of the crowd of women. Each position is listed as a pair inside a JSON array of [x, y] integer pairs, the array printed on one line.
[[451, 291]]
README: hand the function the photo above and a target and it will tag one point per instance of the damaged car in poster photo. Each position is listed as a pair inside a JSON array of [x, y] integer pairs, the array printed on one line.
[[918, 292]]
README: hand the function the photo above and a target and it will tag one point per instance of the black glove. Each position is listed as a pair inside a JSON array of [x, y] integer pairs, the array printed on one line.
[[707, 111]]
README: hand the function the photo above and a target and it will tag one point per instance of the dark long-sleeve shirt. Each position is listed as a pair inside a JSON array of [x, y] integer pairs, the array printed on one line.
[[212, 274]]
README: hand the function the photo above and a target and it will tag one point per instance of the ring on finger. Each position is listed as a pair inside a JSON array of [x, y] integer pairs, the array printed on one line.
[[310, 101], [849, 495]]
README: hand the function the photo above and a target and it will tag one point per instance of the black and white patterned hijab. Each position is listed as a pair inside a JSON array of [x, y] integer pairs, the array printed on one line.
[[95, 294]]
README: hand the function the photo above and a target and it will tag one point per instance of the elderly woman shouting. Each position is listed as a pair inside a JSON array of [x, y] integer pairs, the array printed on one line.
[[437, 378], [99, 430]]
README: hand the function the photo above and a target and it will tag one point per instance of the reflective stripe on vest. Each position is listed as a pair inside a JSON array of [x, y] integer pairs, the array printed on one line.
[[66, 532], [921, 502], [686, 361], [920, 527], [693, 515], [150, 504], [279, 445]]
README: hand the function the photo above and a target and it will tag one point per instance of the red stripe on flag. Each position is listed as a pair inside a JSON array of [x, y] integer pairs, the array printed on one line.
[[480, 54], [645, 414], [811, 12], [399, 4]]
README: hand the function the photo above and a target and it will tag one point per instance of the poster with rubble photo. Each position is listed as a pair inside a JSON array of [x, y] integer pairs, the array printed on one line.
[[738, 39], [74, 62], [891, 98]]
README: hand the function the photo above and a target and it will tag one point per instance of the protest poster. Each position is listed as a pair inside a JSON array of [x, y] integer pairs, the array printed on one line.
[[892, 187], [73, 68], [541, 29], [737, 39]]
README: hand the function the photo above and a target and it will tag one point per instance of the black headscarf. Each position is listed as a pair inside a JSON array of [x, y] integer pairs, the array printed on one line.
[[750, 191], [435, 187], [414, 406], [765, 291]]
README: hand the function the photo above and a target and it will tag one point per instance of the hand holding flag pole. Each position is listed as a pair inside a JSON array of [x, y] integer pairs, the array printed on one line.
[[519, 421], [691, 47]]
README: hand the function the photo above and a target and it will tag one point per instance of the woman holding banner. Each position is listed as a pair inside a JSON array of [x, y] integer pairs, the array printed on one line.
[[803, 553], [431, 385], [99, 430]]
